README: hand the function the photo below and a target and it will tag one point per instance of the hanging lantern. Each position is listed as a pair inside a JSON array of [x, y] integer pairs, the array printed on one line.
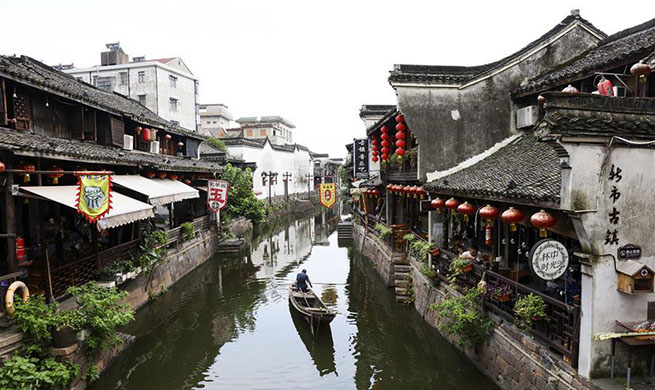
[[543, 220], [489, 213], [407, 190], [437, 204], [180, 144], [167, 137], [187, 182], [466, 209], [541, 100], [605, 87], [640, 69], [401, 127], [55, 176], [400, 152], [400, 118], [173, 177], [150, 174], [385, 143], [145, 135], [28, 168], [570, 89], [162, 175], [413, 190], [385, 156], [384, 151], [20, 249], [137, 130], [452, 204], [374, 142], [374, 159], [389, 187], [400, 135], [512, 216], [153, 134], [400, 143], [422, 193], [2, 167]]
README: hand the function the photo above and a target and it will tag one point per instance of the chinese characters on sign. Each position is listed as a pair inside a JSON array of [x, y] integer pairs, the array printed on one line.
[[328, 194], [360, 158], [549, 259], [612, 234], [629, 251], [217, 194], [93, 195]]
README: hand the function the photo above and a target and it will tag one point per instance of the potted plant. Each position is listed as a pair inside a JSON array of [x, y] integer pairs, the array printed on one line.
[[502, 293], [461, 264], [528, 309]]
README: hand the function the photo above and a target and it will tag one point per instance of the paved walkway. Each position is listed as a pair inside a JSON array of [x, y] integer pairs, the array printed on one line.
[[618, 383]]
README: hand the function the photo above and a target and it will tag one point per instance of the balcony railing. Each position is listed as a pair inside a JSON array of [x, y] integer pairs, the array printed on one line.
[[560, 330]]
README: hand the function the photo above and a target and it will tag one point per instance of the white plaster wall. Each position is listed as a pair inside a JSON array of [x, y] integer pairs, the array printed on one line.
[[184, 92]]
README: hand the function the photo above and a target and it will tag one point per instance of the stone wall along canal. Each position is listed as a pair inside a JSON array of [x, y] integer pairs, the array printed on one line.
[[227, 325]]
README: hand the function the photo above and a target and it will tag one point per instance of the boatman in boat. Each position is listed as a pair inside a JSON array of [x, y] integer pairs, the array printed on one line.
[[302, 280]]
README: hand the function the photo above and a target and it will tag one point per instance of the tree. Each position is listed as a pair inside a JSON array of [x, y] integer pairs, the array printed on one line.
[[241, 200], [217, 143]]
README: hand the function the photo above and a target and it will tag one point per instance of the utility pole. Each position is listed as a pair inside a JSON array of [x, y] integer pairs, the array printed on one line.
[[309, 183], [269, 176], [286, 177]]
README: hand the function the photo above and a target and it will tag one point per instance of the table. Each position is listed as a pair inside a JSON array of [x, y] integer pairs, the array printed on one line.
[[633, 342]]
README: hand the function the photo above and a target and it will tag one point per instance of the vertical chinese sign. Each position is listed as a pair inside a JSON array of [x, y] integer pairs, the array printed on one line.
[[328, 194], [93, 194], [360, 158], [613, 216]]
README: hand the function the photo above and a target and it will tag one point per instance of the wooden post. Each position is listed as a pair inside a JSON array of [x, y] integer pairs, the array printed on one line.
[[10, 220]]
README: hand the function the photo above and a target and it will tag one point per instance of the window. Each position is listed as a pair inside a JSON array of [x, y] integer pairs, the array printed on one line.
[[123, 76], [262, 132], [142, 77], [249, 133], [104, 83], [142, 99], [172, 81], [172, 104]]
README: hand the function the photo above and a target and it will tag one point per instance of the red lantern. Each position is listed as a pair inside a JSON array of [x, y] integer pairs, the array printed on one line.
[[180, 144], [400, 135], [401, 127], [437, 204], [55, 176], [605, 87], [20, 249], [385, 143], [422, 193], [374, 159], [145, 135], [541, 100], [167, 137], [28, 168], [374, 142], [640, 69], [389, 187], [137, 130], [150, 174], [400, 152], [173, 177], [570, 89], [400, 118], [452, 204], [384, 136], [489, 213], [162, 175], [512, 216], [2, 167], [384, 129], [385, 156], [543, 220], [467, 209], [385, 151], [400, 143], [187, 182]]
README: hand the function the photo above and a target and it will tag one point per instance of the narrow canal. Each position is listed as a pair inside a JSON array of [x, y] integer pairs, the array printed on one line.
[[228, 326]]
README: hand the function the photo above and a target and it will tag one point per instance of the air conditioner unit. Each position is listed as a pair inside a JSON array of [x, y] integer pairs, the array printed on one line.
[[526, 116], [128, 142], [154, 147]]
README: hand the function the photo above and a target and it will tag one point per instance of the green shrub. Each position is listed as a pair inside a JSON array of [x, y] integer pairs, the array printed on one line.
[[188, 231], [217, 143], [241, 201], [529, 308], [456, 269], [31, 373], [427, 270], [384, 231], [460, 315], [35, 318]]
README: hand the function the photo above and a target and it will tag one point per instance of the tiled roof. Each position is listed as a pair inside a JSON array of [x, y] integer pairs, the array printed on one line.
[[460, 74], [583, 114], [375, 109], [260, 142], [32, 72], [625, 47], [24, 143], [389, 116], [525, 170]]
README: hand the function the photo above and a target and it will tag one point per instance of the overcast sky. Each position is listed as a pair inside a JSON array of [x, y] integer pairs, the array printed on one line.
[[315, 63]]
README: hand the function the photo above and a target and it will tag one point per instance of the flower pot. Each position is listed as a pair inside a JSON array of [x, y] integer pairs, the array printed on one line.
[[64, 337], [467, 268], [536, 318], [502, 298], [435, 252]]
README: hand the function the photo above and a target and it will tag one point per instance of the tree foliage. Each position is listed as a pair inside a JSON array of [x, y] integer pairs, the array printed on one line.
[[217, 143], [241, 201]]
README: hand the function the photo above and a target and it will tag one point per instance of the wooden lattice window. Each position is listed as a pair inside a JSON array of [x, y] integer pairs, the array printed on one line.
[[22, 112]]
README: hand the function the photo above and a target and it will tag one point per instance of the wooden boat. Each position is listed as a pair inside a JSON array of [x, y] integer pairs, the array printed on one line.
[[310, 306]]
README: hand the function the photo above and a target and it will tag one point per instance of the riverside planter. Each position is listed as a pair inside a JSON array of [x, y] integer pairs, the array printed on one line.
[[467, 268], [64, 337]]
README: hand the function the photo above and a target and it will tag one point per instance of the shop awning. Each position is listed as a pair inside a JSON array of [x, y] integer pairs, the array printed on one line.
[[124, 209], [181, 190], [158, 195]]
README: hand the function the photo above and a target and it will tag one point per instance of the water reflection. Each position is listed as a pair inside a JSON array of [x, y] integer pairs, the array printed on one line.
[[228, 326]]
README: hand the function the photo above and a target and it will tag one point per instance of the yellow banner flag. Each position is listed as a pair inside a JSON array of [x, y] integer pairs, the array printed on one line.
[[93, 195], [328, 194]]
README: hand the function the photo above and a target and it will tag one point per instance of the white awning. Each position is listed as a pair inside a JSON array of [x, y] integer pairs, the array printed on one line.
[[158, 195], [181, 190], [124, 209]]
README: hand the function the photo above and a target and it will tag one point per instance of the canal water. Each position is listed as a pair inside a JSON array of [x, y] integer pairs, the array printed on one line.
[[228, 325]]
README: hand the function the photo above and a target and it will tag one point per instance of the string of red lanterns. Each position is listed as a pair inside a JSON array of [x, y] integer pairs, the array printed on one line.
[[374, 148], [400, 135], [385, 143]]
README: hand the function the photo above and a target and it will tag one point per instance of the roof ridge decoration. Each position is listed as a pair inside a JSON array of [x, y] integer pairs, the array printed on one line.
[[464, 76], [629, 45]]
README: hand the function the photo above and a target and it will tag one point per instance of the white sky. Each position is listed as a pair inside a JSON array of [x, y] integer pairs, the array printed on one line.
[[314, 63]]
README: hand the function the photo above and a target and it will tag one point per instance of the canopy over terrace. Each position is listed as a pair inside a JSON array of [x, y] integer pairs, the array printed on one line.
[[159, 193], [124, 209], [180, 190]]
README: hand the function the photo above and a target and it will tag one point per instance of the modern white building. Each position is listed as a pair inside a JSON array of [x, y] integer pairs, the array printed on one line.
[[215, 119], [276, 128], [165, 85]]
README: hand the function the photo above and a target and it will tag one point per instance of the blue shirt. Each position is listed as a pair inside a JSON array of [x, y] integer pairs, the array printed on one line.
[[301, 281]]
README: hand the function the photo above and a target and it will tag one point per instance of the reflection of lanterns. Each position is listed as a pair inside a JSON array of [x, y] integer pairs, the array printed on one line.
[[150, 174], [27, 168], [466, 209], [570, 89], [437, 204], [452, 204], [512, 216], [489, 213], [543, 220], [162, 175], [55, 176], [145, 135], [173, 176]]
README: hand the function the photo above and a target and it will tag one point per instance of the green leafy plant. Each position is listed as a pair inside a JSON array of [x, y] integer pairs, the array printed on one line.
[[457, 268], [91, 374], [420, 249], [101, 312], [383, 231], [35, 319], [460, 315], [32, 373], [529, 308], [427, 270], [241, 201], [188, 231], [217, 143]]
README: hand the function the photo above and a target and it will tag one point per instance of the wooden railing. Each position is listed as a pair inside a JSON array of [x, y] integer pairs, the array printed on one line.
[[560, 330]]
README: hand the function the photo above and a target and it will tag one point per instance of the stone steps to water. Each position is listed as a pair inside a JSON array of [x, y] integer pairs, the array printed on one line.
[[401, 268], [402, 299], [400, 282]]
